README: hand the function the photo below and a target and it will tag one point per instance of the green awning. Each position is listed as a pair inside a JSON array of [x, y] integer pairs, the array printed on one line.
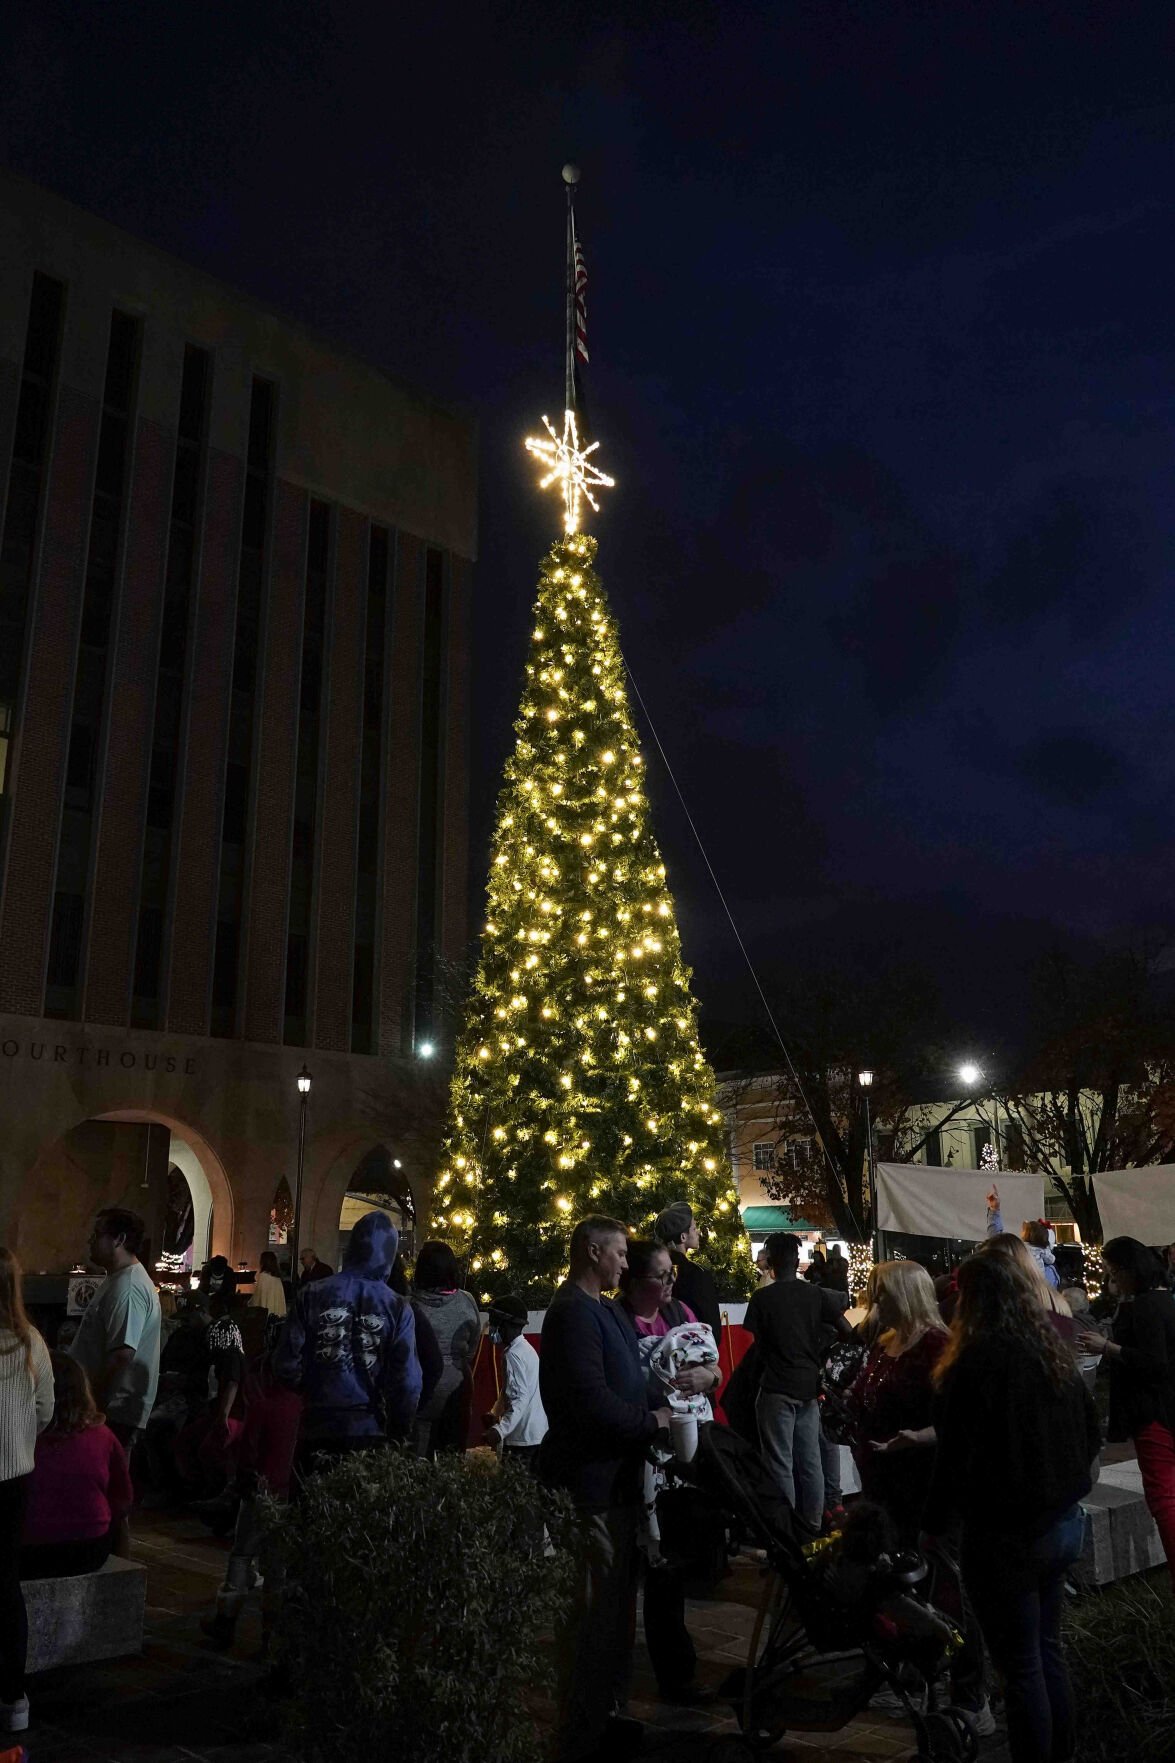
[[769, 1218]]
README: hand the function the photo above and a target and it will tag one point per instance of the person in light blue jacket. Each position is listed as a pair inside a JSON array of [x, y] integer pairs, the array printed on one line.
[[1033, 1234]]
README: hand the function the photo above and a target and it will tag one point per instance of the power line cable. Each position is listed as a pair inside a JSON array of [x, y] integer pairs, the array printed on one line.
[[795, 1076]]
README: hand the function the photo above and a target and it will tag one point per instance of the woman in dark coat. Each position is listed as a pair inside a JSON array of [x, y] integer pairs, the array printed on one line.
[[1141, 1358]]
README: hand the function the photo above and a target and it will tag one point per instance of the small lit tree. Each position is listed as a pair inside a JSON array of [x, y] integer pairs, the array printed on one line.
[[579, 1083]]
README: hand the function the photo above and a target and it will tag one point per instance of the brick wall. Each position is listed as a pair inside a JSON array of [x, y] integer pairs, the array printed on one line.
[[123, 796], [39, 770], [9, 397], [195, 869], [401, 793], [455, 803], [272, 794], [334, 906]]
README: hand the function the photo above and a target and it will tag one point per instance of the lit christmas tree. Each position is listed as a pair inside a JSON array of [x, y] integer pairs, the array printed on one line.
[[580, 1085]]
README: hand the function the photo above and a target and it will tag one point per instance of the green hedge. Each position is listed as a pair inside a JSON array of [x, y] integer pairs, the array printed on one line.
[[417, 1598]]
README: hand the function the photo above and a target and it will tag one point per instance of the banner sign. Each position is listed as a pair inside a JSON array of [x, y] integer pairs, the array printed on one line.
[[922, 1201], [1138, 1203], [83, 1289]]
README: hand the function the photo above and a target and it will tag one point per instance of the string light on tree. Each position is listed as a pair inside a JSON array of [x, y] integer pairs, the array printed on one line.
[[860, 1266]]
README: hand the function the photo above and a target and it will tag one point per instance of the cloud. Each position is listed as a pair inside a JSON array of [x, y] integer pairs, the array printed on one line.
[[1077, 554], [1074, 768]]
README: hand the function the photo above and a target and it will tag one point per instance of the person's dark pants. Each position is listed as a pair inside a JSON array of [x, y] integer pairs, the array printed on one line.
[[671, 1648], [595, 1638], [526, 1456], [830, 1464], [1017, 1586], [127, 1436], [64, 1560], [14, 1628]]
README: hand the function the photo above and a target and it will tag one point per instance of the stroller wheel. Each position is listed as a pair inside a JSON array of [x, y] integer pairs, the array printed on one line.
[[946, 1737]]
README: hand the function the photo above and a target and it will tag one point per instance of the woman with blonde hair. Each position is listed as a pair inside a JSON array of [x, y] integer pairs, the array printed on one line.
[[891, 1399], [26, 1408]]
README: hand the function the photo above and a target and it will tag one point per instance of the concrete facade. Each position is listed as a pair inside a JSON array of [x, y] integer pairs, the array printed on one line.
[[234, 600]]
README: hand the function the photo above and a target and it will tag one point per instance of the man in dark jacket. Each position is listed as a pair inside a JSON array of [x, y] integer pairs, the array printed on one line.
[[349, 1346], [312, 1268], [677, 1228], [599, 1427]]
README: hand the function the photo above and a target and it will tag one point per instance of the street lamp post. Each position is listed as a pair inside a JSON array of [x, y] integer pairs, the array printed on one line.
[[304, 1082], [865, 1079]]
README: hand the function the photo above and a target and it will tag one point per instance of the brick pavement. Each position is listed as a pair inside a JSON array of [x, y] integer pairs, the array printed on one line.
[[182, 1701]]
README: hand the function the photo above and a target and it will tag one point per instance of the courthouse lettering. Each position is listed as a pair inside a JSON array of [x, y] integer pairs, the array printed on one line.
[[95, 1058]]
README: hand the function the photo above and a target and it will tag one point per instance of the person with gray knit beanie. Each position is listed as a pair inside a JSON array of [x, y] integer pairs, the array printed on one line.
[[678, 1231]]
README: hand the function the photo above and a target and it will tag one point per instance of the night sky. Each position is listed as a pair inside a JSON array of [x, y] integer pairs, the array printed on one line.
[[882, 359]]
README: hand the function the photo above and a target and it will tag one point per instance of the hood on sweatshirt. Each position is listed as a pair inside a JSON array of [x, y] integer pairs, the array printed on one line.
[[372, 1246]]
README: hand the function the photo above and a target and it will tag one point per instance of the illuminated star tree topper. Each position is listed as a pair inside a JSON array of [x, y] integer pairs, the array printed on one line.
[[570, 466]]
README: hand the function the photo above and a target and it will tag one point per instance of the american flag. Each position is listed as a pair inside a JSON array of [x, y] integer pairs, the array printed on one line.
[[580, 303]]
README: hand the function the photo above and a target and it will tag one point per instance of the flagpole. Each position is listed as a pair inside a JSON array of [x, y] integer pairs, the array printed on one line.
[[570, 178]]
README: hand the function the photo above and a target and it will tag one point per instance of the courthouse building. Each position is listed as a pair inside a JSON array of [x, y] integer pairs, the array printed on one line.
[[235, 568]]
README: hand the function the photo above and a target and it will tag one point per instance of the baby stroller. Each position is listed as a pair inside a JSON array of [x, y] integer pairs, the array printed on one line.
[[840, 1617]]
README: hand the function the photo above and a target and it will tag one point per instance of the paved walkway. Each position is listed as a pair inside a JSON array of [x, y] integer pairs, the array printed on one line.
[[183, 1701]]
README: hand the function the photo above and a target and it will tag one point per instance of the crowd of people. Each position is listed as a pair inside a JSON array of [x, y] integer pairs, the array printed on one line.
[[970, 1419], [966, 1405], [213, 1398]]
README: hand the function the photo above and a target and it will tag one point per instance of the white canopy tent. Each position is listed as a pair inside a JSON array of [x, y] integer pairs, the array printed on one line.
[[921, 1200], [1138, 1203]]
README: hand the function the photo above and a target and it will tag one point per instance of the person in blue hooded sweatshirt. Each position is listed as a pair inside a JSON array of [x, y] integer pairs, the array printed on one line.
[[349, 1346]]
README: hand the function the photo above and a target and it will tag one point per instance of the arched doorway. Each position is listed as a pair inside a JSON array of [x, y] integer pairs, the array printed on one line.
[[378, 1184], [134, 1159]]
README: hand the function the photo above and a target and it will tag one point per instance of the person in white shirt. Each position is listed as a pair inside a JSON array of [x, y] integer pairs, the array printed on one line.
[[269, 1293], [117, 1342], [519, 1423]]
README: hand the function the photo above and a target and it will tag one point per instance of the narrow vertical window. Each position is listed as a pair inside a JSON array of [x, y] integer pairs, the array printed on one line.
[[367, 865], [99, 598], [310, 684], [22, 510], [250, 590], [428, 859], [170, 681]]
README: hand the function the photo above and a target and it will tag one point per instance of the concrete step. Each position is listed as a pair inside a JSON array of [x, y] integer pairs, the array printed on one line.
[[86, 1616], [1121, 1537]]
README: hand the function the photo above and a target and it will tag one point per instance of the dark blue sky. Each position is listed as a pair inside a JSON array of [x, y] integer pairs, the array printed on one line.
[[882, 358]]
